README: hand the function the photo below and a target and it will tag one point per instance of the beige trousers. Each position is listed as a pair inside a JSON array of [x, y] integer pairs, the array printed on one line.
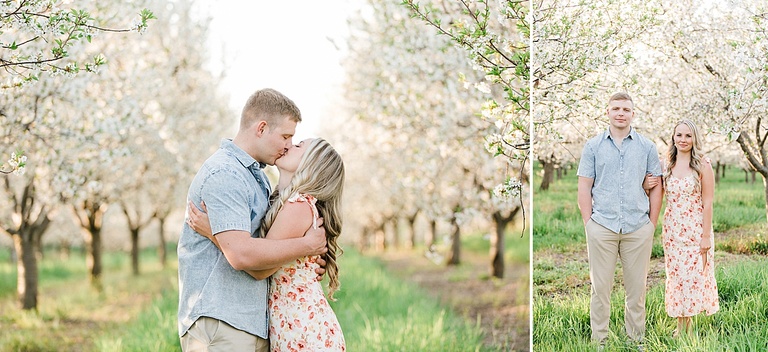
[[213, 335], [604, 247]]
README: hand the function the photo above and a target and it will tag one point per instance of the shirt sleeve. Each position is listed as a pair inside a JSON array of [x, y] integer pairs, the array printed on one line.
[[587, 162], [654, 165], [226, 198]]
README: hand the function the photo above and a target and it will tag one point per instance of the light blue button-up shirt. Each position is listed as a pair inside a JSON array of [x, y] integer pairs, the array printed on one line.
[[619, 202], [235, 190]]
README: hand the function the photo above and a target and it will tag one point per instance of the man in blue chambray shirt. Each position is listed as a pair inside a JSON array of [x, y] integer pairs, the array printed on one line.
[[619, 217], [221, 307]]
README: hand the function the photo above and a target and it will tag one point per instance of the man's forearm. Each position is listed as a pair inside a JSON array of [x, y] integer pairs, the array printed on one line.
[[584, 195], [262, 253], [655, 198]]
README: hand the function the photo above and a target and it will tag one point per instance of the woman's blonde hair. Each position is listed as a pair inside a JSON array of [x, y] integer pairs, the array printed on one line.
[[696, 156], [320, 174]]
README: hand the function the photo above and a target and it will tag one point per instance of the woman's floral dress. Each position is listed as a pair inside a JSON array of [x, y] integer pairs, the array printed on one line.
[[689, 289], [300, 317]]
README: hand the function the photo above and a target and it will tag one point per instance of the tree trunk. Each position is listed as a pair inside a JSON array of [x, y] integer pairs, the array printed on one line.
[[65, 248], [381, 237], [723, 171], [392, 222], [717, 172], [92, 241], [26, 267], [162, 252], [362, 243], [497, 241], [135, 251], [411, 243], [27, 235], [429, 239], [454, 258], [91, 215], [546, 180], [765, 190], [135, 224]]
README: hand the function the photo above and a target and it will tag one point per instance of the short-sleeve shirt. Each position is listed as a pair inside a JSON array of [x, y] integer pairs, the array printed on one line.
[[235, 190], [619, 202]]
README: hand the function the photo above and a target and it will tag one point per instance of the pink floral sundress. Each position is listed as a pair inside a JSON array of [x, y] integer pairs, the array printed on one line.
[[300, 317], [689, 290]]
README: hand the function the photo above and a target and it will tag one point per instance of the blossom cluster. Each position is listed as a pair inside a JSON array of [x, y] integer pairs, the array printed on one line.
[[509, 190], [17, 163]]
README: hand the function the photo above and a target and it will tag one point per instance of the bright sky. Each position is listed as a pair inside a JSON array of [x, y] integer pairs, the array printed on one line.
[[285, 45]]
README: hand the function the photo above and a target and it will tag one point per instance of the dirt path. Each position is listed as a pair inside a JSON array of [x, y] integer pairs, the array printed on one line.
[[501, 306]]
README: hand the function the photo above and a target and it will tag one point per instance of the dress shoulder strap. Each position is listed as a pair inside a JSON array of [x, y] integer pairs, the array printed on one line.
[[310, 200]]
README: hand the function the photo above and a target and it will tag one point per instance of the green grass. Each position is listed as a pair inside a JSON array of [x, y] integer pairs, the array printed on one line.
[[71, 315], [557, 221], [380, 313], [516, 248], [561, 300], [154, 329], [562, 323], [377, 311]]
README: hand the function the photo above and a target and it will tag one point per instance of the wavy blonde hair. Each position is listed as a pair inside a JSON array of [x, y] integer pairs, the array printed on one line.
[[320, 174], [696, 156]]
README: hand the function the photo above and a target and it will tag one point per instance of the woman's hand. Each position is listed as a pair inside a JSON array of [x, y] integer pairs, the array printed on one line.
[[705, 244], [198, 220], [320, 271], [650, 181]]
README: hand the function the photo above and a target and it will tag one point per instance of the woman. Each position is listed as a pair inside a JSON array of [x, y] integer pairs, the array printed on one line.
[[310, 187], [689, 185]]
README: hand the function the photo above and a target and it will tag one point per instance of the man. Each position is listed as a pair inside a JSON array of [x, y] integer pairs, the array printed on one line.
[[619, 217], [221, 307]]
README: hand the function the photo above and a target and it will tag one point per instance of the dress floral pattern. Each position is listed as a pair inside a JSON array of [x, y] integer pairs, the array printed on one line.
[[689, 290], [300, 317]]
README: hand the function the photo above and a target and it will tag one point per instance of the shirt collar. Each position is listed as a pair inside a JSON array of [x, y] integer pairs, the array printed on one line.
[[244, 158], [632, 133]]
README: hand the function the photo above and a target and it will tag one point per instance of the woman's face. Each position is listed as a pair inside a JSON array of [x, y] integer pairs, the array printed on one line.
[[683, 138], [290, 160]]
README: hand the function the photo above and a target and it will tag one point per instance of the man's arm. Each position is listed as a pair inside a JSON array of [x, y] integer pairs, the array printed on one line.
[[246, 253], [585, 198], [292, 222], [655, 195], [259, 265]]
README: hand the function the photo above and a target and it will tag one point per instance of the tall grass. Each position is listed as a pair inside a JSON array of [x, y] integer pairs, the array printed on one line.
[[561, 310], [562, 324], [376, 313], [557, 221], [71, 315]]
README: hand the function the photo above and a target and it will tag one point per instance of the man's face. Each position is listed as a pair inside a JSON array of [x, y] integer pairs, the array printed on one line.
[[278, 139], [620, 113], [292, 157]]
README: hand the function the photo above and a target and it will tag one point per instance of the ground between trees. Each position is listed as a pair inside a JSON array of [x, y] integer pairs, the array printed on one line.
[[500, 305]]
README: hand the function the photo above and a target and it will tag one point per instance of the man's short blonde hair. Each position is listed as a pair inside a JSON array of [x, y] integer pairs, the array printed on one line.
[[268, 105], [621, 96]]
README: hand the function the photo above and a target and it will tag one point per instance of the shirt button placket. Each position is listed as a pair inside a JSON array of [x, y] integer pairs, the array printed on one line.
[[621, 192]]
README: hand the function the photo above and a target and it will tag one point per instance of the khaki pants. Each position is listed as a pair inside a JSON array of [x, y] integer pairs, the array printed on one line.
[[604, 247], [212, 335]]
